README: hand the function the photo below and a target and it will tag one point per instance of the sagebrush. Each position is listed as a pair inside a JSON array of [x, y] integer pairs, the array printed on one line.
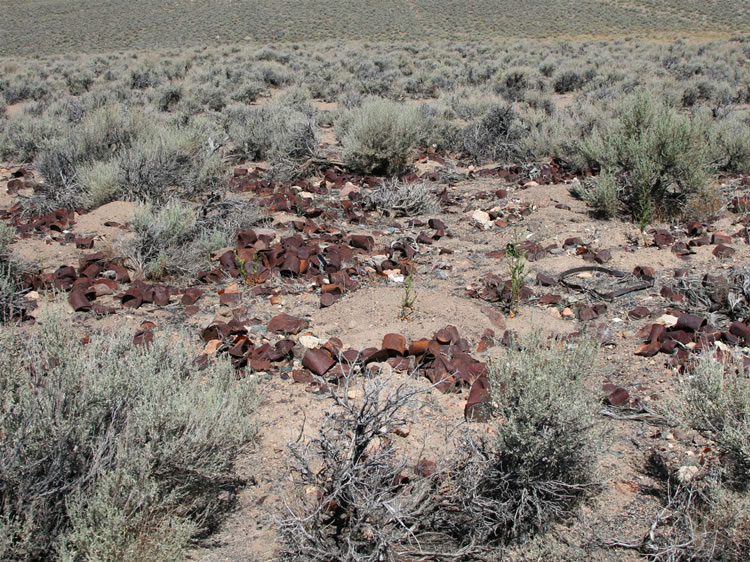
[[112, 450]]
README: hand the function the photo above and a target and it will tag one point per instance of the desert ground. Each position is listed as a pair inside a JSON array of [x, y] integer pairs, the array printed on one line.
[[379, 297]]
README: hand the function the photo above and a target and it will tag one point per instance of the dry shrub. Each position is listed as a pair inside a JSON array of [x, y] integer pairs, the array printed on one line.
[[498, 136], [354, 499], [402, 198], [706, 513], [355, 502], [701, 521]]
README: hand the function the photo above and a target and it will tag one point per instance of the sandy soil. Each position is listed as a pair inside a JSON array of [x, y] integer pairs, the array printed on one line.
[[446, 274]]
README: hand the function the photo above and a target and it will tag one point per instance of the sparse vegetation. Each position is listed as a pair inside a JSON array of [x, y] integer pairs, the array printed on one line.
[[409, 298], [351, 501], [60, 31], [515, 258], [706, 514]]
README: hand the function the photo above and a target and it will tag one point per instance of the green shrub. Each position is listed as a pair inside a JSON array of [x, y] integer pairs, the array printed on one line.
[[101, 180], [658, 155], [62, 188], [275, 75], [101, 132], [7, 233], [513, 85], [729, 145], [213, 98], [24, 136], [716, 401], [543, 457], [12, 303], [141, 79], [284, 136], [159, 233], [379, 137], [471, 103], [78, 82], [168, 159], [167, 97], [601, 194], [538, 100], [248, 92], [22, 88], [568, 81], [80, 163], [298, 98], [112, 451], [497, 137], [177, 238]]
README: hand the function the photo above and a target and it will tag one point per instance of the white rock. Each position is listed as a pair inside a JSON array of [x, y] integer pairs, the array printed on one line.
[[309, 342], [686, 473], [348, 188], [666, 320], [481, 218]]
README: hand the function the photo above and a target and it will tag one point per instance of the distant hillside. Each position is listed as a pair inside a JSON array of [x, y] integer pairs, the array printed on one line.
[[55, 26]]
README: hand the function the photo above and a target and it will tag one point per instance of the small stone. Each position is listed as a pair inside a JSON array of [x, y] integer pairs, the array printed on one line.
[[482, 219], [348, 188], [567, 314], [309, 342], [686, 473], [426, 468], [666, 320]]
